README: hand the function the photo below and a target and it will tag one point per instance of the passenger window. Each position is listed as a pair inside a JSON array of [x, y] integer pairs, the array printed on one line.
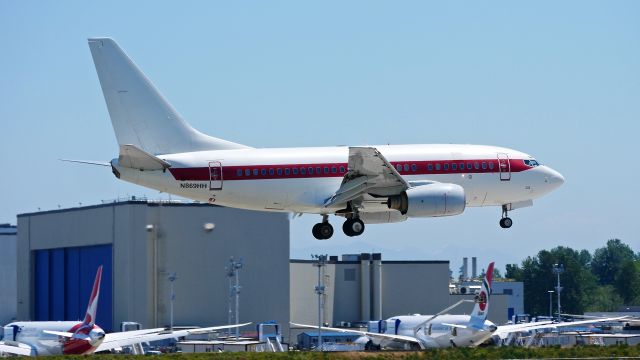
[[303, 171], [491, 165], [271, 172], [414, 167], [454, 166], [430, 167], [341, 169], [318, 170], [334, 169], [287, 171], [310, 171], [461, 166], [295, 171], [263, 172], [446, 166], [406, 167], [399, 167], [239, 172], [476, 165], [255, 172], [279, 172], [247, 172], [469, 166], [438, 166], [484, 165], [326, 169]]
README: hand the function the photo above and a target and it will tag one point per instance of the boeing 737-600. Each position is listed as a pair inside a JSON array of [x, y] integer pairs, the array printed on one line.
[[363, 184]]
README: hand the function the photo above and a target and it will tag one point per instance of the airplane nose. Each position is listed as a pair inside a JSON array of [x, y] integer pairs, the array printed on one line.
[[553, 178]]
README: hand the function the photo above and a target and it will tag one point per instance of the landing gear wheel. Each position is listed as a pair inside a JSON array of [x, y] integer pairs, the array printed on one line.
[[353, 227], [506, 223], [322, 231]]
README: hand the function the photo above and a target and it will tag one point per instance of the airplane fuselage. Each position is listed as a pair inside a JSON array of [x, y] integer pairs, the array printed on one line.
[[302, 179], [440, 333]]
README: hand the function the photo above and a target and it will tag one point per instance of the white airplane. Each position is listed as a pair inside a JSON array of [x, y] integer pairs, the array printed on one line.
[[364, 184], [445, 330], [33, 338], [433, 331]]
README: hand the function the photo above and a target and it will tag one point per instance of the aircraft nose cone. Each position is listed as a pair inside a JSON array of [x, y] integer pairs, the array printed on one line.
[[554, 178]]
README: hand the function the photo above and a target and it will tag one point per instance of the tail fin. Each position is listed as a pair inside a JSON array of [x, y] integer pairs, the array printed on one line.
[[481, 308], [140, 115], [92, 308]]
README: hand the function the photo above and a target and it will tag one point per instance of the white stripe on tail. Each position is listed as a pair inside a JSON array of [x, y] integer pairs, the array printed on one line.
[[92, 308], [481, 308]]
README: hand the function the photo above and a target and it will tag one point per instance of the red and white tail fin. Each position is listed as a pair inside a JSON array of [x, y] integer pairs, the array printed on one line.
[[92, 308], [481, 308]]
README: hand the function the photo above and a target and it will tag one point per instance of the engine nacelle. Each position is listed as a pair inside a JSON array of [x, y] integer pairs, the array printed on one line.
[[430, 200]]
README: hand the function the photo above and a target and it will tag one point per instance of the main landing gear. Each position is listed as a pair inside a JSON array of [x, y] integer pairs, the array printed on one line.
[[324, 230], [506, 221], [353, 227]]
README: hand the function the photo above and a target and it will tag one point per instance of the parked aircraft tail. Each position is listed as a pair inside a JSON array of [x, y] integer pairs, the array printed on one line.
[[92, 307], [481, 308], [140, 115]]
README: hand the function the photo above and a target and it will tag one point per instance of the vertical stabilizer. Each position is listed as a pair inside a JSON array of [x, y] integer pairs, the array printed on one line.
[[92, 308], [481, 308], [140, 115]]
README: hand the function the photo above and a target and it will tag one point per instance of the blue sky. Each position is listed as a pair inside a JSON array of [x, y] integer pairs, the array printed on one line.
[[558, 80]]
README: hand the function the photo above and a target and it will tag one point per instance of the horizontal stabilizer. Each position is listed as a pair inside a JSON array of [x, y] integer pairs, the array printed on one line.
[[132, 157], [86, 162]]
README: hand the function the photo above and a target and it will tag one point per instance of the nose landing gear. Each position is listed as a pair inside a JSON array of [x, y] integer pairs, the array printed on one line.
[[323, 230], [506, 221]]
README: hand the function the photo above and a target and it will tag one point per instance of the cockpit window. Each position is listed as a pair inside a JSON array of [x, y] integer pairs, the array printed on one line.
[[531, 163]]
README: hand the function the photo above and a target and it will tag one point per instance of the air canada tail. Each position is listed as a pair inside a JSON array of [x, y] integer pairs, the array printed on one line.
[[92, 307], [140, 115], [481, 308]]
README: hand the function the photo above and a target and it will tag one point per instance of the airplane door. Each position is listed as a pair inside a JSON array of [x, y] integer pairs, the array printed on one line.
[[504, 165], [215, 175]]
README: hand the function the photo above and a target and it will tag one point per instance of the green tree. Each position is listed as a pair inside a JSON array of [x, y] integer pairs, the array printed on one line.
[[627, 281], [513, 271], [607, 260], [576, 280]]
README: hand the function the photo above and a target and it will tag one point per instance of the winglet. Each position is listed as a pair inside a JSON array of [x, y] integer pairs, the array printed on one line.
[[481, 309], [92, 308]]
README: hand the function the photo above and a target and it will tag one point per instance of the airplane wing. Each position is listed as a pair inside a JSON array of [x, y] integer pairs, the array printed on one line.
[[127, 338], [505, 330], [368, 172], [16, 348], [382, 338]]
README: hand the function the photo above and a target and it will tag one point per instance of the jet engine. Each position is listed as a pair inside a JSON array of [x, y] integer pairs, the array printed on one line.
[[437, 199]]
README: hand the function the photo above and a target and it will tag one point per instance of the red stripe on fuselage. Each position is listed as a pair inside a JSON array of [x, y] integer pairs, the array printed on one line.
[[286, 171]]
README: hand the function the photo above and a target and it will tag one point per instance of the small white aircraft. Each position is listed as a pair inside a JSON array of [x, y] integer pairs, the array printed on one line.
[[33, 338], [364, 184]]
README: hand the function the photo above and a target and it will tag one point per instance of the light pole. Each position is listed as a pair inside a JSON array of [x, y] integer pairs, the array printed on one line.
[[558, 269], [550, 301], [233, 270], [322, 261], [172, 277]]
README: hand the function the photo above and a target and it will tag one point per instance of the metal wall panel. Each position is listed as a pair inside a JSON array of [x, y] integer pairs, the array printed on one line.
[[41, 304], [72, 280], [56, 284]]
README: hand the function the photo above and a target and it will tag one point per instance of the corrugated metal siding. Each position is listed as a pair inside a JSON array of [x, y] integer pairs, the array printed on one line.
[[63, 281]]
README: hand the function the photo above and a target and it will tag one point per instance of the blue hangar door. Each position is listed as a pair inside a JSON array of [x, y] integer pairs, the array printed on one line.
[[63, 281]]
